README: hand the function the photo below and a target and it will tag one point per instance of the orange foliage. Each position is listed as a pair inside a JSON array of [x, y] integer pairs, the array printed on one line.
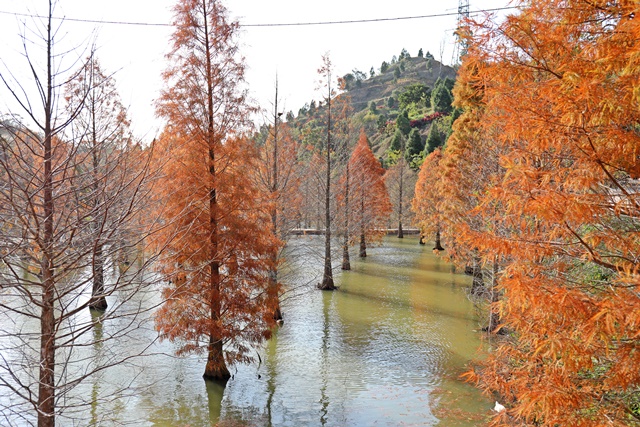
[[241, 249], [370, 205], [220, 252], [426, 200], [553, 91]]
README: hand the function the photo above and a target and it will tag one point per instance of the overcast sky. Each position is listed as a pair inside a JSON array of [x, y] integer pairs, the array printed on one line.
[[135, 53]]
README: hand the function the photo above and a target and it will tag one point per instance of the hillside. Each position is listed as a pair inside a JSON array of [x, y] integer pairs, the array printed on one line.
[[383, 85], [404, 86]]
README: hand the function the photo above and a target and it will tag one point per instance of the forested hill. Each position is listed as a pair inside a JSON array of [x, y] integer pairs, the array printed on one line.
[[389, 80], [408, 71], [404, 107]]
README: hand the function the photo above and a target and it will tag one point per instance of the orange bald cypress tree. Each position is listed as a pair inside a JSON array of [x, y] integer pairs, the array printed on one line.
[[220, 255], [427, 198], [370, 203], [560, 83]]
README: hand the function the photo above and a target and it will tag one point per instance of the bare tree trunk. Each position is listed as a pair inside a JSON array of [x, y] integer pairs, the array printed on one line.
[[327, 277], [46, 390], [98, 301], [400, 232], [363, 240], [346, 265], [272, 291]]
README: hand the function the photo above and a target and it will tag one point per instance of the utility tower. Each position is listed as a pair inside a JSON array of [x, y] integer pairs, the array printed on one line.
[[463, 15]]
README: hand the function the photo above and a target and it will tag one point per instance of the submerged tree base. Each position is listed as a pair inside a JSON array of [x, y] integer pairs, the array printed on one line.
[[99, 304], [327, 286], [277, 315], [217, 373]]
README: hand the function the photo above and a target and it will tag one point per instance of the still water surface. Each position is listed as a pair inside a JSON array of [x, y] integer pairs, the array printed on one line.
[[384, 350]]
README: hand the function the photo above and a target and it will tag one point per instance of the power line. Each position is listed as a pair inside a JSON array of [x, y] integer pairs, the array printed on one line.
[[87, 21], [284, 24], [360, 21]]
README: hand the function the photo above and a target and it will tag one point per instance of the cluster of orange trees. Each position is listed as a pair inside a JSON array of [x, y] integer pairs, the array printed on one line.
[[89, 217], [228, 201], [539, 185]]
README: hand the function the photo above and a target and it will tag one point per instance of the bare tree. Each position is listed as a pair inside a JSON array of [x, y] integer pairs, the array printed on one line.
[[326, 76], [279, 177], [49, 242], [100, 132]]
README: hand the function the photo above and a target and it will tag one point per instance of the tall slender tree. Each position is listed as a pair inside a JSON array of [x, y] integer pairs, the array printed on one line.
[[220, 259], [326, 76], [279, 176], [48, 241], [400, 181], [101, 132], [343, 135], [427, 201]]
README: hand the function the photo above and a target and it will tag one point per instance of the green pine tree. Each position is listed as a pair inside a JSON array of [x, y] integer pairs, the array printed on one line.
[[414, 144], [441, 98], [397, 141], [434, 139], [402, 123]]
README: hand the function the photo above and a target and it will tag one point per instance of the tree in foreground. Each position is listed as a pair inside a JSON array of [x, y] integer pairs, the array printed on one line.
[[220, 253], [49, 241], [561, 87]]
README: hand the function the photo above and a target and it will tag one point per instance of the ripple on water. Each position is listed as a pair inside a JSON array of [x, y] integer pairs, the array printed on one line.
[[383, 350]]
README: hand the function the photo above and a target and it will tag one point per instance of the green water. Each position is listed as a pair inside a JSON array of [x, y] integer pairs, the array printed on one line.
[[386, 349]]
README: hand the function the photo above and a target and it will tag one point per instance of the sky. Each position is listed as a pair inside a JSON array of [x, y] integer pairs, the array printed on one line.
[[135, 54]]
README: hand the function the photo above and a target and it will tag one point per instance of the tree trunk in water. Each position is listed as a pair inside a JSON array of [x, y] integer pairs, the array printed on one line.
[[363, 241], [438, 246], [476, 271], [272, 292], [46, 389], [99, 302], [272, 295], [400, 232], [494, 317], [346, 265], [363, 246], [327, 277], [216, 368], [46, 378]]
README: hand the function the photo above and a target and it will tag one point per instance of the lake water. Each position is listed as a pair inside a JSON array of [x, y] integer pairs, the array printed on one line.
[[386, 349]]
